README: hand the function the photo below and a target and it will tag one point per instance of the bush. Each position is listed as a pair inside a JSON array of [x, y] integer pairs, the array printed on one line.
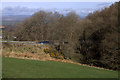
[[57, 54], [46, 50], [51, 54], [54, 53]]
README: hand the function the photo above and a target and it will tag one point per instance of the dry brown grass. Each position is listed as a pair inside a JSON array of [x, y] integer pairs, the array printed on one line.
[[28, 56]]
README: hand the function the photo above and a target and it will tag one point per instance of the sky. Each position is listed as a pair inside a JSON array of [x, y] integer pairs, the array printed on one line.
[[59, 0], [24, 8], [59, 5]]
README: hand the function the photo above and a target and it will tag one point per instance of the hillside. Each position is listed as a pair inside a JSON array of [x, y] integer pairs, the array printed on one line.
[[13, 68], [10, 20], [92, 41]]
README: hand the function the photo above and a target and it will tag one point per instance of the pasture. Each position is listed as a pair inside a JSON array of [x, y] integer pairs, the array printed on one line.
[[21, 68]]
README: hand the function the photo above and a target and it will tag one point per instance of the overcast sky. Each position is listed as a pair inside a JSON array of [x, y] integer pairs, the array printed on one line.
[[59, 5], [21, 8], [60, 0]]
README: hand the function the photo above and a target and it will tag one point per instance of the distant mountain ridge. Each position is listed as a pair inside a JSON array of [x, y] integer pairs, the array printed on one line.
[[8, 20], [30, 11], [14, 17]]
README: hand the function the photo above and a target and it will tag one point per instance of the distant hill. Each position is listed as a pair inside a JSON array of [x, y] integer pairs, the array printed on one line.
[[12, 19]]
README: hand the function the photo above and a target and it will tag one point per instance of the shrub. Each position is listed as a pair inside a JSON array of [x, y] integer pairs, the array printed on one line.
[[51, 54], [57, 54], [46, 50]]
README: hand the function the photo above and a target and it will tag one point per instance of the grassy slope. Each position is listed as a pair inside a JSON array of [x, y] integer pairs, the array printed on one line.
[[20, 68]]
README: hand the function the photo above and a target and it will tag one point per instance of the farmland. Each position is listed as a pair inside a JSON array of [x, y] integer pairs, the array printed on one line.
[[21, 68]]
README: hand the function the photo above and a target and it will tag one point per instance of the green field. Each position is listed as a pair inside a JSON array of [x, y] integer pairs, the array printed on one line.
[[20, 68]]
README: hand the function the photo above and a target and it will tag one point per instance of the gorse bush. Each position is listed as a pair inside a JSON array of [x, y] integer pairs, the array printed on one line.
[[54, 53], [46, 50]]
